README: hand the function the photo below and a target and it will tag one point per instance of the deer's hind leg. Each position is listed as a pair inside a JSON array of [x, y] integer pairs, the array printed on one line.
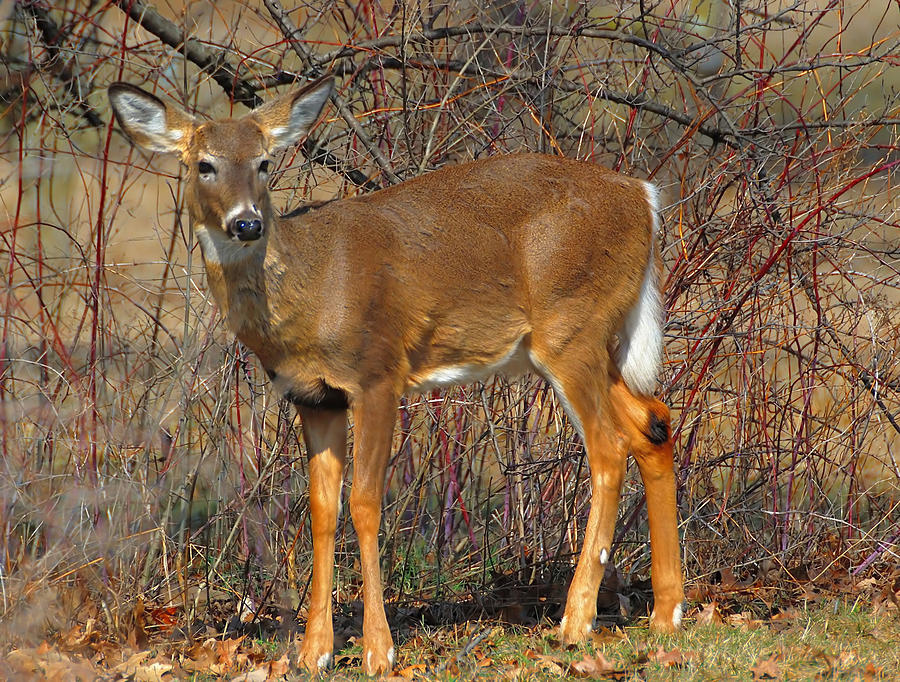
[[582, 385], [645, 421], [373, 413]]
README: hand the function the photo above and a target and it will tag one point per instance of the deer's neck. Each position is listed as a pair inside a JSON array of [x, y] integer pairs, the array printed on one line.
[[259, 288], [236, 272]]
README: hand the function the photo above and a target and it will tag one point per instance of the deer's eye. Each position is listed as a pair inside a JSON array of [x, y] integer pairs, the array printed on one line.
[[205, 168], [264, 167]]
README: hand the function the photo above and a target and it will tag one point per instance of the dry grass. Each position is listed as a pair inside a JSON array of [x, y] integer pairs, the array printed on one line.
[[825, 639]]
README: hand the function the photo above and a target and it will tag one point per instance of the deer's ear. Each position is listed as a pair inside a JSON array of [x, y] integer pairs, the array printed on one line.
[[148, 121], [286, 119]]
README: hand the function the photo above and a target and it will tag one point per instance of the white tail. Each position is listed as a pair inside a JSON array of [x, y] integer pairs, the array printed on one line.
[[640, 339], [508, 264]]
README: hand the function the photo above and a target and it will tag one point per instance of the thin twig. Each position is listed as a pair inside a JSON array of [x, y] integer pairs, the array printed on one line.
[[294, 38]]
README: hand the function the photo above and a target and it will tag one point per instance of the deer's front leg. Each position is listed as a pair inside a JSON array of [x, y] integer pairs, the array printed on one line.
[[373, 423], [325, 433]]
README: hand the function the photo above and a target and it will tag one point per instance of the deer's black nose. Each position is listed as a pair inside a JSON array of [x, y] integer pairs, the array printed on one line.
[[247, 228]]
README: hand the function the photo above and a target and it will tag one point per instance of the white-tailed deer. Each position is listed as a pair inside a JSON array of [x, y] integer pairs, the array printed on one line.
[[508, 264]]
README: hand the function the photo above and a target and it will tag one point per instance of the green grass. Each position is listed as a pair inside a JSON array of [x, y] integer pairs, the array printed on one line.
[[833, 641]]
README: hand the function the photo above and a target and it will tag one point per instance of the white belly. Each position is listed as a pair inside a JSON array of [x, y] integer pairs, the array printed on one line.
[[515, 363]]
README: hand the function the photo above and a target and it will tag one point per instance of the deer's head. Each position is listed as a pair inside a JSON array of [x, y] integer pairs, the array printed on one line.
[[228, 160]]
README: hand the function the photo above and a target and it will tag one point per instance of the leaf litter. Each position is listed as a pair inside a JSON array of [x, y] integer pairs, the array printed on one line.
[[152, 646]]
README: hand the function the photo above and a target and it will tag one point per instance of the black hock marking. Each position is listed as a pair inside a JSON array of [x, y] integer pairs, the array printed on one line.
[[658, 431]]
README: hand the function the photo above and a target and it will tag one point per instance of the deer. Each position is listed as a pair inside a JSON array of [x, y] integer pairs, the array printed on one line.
[[504, 265]]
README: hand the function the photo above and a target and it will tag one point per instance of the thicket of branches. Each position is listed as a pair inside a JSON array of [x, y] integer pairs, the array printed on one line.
[[143, 455]]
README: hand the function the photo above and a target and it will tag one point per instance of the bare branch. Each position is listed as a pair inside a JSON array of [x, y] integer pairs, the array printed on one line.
[[213, 62], [294, 38], [225, 74]]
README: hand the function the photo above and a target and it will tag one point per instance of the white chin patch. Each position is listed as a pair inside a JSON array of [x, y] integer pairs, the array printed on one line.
[[324, 661], [604, 556], [391, 656], [219, 248]]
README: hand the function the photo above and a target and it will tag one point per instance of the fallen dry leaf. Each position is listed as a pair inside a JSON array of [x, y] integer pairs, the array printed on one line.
[[22, 660], [605, 636], [215, 656], [698, 592], [164, 619], [549, 663], [201, 658], [783, 620], [279, 668], [512, 674], [247, 610], [47, 664], [873, 673], [153, 672], [845, 659], [226, 649], [745, 621], [594, 666], [269, 670], [710, 615], [767, 668], [414, 670], [137, 634], [260, 674], [674, 658], [128, 667], [727, 580], [790, 613]]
